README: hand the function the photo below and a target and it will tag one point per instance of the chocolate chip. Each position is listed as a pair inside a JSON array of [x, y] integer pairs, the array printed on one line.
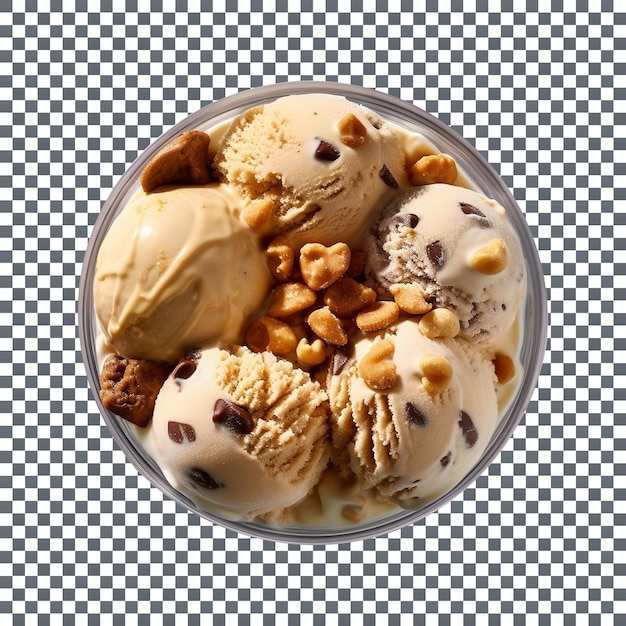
[[434, 251], [415, 415], [233, 416], [470, 433], [446, 459], [179, 432], [203, 479], [408, 220], [185, 369], [387, 177], [326, 151], [340, 357], [468, 209]]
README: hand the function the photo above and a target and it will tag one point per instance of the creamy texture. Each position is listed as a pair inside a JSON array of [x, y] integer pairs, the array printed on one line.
[[404, 441], [270, 153], [181, 269], [177, 268], [221, 466], [428, 236]]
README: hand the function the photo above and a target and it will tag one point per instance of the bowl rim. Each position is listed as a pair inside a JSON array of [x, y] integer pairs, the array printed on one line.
[[226, 108]]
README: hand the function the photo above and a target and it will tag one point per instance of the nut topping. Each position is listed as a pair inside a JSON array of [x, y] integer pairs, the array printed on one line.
[[346, 297], [290, 298], [321, 266], [490, 259], [504, 368], [353, 131], [327, 327], [258, 214], [433, 168], [271, 334], [440, 323], [437, 373], [280, 258], [411, 298], [377, 368], [377, 316]]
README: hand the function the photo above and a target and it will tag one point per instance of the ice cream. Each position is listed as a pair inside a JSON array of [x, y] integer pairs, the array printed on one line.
[[177, 268], [241, 432], [416, 433], [313, 166], [334, 312], [459, 247]]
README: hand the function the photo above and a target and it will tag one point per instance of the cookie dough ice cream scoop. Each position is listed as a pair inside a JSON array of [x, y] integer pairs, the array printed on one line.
[[241, 432], [411, 415], [459, 247], [312, 166]]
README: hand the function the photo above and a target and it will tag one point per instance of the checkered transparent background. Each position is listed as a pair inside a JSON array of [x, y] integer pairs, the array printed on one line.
[[539, 88]]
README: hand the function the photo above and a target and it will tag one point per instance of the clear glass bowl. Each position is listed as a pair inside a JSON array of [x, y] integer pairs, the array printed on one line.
[[478, 171]]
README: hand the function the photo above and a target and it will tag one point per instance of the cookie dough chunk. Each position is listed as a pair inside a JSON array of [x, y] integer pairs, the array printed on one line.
[[182, 161], [129, 387]]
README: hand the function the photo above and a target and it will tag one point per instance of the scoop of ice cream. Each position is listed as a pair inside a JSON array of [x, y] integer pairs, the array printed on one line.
[[241, 432], [178, 267], [314, 166], [459, 247], [423, 428]]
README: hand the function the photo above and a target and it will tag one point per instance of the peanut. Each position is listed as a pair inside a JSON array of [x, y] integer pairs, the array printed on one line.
[[312, 353], [280, 258], [490, 259], [437, 373], [439, 323], [377, 316], [346, 297], [377, 368], [433, 168], [504, 368], [327, 327], [267, 333], [410, 298], [289, 298], [258, 215], [321, 266], [352, 130]]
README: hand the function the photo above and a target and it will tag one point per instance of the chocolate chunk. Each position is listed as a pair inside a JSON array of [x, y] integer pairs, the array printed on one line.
[[387, 177], [203, 479], [415, 415], [180, 433], [341, 356], [233, 416], [326, 151], [470, 434], [446, 459], [434, 251], [408, 220], [184, 369]]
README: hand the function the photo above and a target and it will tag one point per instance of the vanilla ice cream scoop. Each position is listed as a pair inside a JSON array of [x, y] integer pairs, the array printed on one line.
[[314, 166], [459, 247], [415, 436], [240, 432], [177, 268]]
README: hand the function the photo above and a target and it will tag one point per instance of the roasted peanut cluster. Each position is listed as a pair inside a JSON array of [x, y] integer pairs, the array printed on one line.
[[319, 300]]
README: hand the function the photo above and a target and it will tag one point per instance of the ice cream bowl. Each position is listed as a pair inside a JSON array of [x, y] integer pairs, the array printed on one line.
[[531, 324]]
